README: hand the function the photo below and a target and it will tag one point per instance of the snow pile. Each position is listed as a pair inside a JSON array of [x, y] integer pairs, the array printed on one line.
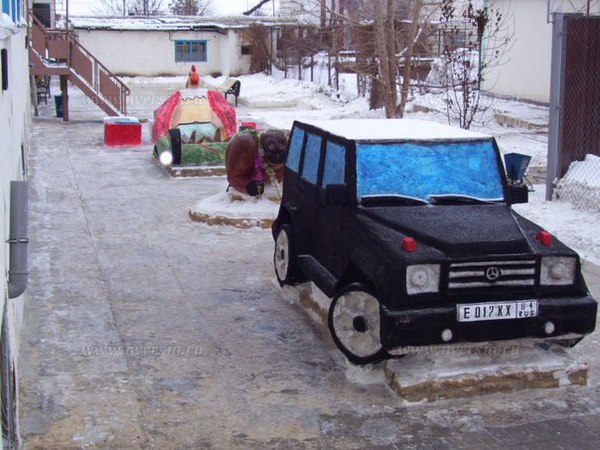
[[581, 184], [461, 67], [7, 26], [236, 209]]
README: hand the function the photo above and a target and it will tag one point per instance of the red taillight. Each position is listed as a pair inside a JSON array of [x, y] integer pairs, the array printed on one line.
[[545, 238], [246, 124], [409, 244]]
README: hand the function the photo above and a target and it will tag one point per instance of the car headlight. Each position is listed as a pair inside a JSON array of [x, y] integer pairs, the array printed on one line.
[[422, 278], [558, 270]]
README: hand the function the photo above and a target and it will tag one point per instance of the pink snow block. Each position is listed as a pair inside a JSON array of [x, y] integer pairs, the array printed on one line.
[[118, 134]]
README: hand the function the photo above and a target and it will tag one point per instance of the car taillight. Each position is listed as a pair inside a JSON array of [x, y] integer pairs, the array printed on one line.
[[409, 244], [544, 238]]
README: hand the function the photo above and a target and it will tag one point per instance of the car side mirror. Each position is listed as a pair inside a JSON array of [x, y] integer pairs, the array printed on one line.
[[518, 193], [336, 194]]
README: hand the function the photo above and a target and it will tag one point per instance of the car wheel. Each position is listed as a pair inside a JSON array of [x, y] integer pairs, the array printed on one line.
[[284, 257], [355, 323], [175, 137]]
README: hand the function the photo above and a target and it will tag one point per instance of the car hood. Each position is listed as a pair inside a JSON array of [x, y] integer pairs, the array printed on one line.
[[456, 230]]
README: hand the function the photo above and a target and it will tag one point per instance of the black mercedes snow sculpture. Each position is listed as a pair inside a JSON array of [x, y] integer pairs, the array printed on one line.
[[408, 226]]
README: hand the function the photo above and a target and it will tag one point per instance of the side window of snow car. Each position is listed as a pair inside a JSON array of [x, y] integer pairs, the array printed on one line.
[[335, 164], [312, 153], [296, 141]]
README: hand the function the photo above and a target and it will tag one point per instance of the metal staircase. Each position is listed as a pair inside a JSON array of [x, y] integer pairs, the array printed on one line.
[[58, 53]]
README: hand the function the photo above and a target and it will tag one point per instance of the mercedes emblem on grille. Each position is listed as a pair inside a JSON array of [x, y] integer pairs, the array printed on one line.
[[492, 273]]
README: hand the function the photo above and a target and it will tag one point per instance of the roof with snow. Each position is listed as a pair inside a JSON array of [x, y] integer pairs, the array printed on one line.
[[173, 23], [394, 130]]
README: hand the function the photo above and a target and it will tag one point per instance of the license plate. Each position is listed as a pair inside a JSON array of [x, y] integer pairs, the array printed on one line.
[[475, 312]]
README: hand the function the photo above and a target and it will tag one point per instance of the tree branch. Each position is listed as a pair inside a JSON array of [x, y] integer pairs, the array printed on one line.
[[254, 8]]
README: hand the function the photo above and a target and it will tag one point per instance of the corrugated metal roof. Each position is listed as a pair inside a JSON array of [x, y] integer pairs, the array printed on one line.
[[173, 23]]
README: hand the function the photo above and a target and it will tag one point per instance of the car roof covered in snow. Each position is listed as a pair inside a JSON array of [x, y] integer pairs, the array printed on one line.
[[394, 130]]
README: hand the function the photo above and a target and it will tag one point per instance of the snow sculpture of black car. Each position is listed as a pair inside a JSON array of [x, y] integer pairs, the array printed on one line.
[[408, 226]]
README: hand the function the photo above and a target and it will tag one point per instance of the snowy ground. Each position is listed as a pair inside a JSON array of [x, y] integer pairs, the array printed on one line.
[[144, 329]]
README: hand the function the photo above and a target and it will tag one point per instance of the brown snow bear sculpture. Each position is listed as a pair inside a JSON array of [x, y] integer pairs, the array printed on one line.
[[254, 159]]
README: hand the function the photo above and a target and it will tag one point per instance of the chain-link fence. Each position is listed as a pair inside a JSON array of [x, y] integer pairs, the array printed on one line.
[[581, 184], [579, 127]]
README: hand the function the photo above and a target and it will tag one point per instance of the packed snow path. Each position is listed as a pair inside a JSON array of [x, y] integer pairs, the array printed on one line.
[[145, 329]]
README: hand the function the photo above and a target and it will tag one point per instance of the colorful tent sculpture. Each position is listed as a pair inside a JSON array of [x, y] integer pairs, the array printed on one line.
[[254, 159], [192, 127]]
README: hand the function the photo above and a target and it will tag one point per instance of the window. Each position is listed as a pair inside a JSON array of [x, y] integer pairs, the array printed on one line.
[[246, 50], [312, 154], [296, 142], [422, 169], [190, 51], [335, 164], [12, 8]]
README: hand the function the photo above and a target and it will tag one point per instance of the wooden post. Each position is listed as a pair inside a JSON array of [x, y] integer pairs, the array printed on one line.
[[64, 89]]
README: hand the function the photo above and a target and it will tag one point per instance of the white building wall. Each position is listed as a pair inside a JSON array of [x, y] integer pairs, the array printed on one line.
[[152, 53], [14, 143], [14, 139], [525, 72]]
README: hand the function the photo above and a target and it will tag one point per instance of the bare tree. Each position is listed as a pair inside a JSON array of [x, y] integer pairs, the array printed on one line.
[[129, 7], [255, 7], [414, 27], [381, 35], [473, 40], [257, 38], [191, 7], [145, 7], [386, 53]]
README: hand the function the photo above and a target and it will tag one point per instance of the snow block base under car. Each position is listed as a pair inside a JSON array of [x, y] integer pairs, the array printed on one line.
[[456, 371]]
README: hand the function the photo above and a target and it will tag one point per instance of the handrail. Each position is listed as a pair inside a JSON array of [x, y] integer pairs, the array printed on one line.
[[97, 61], [99, 70]]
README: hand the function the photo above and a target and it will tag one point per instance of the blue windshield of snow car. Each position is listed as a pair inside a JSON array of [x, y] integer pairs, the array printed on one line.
[[421, 170]]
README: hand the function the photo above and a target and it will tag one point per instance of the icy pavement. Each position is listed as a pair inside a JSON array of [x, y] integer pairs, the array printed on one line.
[[144, 329]]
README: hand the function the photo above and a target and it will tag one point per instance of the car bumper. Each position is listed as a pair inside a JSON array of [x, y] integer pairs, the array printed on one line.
[[425, 326]]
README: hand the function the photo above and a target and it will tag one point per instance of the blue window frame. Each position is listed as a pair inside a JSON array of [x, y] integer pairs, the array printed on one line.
[[420, 170], [335, 164], [12, 8], [191, 51], [296, 142], [312, 154]]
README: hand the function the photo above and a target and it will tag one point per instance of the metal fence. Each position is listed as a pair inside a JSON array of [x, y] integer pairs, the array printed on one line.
[[576, 108]]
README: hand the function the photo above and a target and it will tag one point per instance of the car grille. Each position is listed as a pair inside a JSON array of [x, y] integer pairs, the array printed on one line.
[[479, 274]]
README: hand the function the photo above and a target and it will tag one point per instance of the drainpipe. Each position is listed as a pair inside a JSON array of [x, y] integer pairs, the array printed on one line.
[[18, 239]]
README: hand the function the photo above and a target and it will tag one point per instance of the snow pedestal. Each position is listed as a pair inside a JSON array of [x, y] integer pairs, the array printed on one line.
[[442, 372], [468, 372], [237, 210], [195, 171], [119, 131]]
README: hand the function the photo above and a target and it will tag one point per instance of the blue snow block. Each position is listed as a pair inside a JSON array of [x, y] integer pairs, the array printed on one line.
[[516, 166]]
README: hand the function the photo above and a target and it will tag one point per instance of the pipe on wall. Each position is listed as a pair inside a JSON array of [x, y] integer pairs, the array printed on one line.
[[18, 239]]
